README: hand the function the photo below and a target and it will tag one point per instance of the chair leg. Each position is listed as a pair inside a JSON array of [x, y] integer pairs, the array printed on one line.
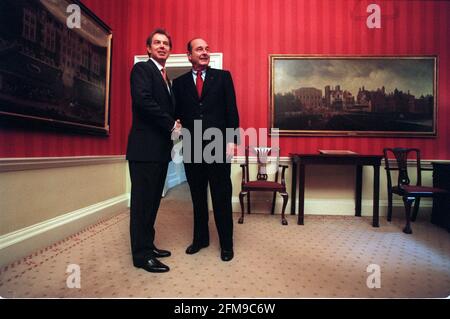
[[248, 202], [273, 203], [389, 212], [241, 201], [416, 209], [408, 203], [285, 200]]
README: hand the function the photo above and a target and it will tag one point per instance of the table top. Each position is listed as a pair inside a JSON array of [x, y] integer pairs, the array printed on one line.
[[350, 159], [440, 162]]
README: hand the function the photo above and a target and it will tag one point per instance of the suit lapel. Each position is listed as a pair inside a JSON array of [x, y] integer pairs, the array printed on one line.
[[191, 85], [161, 80], [209, 81], [172, 97]]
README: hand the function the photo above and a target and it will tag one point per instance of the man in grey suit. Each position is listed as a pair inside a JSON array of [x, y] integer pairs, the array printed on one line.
[[149, 148]]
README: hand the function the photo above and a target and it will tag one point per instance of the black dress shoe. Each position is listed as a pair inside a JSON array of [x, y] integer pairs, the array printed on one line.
[[160, 253], [194, 248], [226, 255], [154, 265]]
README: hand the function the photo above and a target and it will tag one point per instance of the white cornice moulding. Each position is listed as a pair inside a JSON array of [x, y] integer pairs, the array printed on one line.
[[182, 61], [287, 160], [252, 159], [20, 164], [30, 163]]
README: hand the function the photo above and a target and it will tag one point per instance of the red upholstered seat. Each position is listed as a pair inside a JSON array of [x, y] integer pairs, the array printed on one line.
[[422, 191], [262, 186]]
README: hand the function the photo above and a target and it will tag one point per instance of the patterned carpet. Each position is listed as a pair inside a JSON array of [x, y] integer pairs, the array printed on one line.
[[327, 257]]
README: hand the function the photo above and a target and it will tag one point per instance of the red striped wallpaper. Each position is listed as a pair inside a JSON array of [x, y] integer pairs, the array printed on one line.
[[247, 31]]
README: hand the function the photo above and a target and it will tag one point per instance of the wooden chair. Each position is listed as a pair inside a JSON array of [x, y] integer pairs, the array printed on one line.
[[261, 183], [409, 192]]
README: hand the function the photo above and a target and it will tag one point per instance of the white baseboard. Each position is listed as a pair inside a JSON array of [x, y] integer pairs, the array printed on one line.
[[330, 206], [24, 241]]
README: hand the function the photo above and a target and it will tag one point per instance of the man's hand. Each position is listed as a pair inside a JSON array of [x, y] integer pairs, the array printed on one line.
[[176, 132], [231, 149], [178, 125]]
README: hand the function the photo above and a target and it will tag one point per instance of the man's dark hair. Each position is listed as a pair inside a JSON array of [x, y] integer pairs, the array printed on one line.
[[159, 31], [189, 44]]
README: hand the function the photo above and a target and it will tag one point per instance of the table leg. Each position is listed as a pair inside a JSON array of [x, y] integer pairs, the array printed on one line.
[[301, 195], [376, 195], [294, 186], [358, 190]]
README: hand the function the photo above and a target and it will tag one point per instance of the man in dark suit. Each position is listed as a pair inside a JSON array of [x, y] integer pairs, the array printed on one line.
[[205, 97], [149, 148]]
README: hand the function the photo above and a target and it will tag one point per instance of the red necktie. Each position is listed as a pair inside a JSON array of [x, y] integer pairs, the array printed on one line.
[[199, 83], [166, 79], [163, 71]]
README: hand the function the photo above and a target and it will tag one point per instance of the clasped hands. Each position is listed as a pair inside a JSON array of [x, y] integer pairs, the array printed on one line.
[[176, 131]]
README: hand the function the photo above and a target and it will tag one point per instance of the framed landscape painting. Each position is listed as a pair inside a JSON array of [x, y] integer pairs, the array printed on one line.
[[353, 96], [54, 74]]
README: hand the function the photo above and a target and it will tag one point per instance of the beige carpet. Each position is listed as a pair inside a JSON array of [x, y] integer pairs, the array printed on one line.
[[327, 257]]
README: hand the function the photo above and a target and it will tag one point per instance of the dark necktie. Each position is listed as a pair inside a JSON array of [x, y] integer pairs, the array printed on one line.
[[199, 83]]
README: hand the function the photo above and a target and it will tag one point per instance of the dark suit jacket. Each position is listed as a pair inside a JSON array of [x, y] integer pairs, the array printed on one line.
[[153, 115], [216, 107]]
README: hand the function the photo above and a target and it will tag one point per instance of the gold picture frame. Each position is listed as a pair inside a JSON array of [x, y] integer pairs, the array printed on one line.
[[54, 74], [353, 96]]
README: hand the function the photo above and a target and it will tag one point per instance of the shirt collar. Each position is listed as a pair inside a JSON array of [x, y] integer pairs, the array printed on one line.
[[202, 72], [159, 66]]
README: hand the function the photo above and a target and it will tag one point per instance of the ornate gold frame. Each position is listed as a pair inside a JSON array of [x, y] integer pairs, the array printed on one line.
[[60, 80], [311, 110]]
